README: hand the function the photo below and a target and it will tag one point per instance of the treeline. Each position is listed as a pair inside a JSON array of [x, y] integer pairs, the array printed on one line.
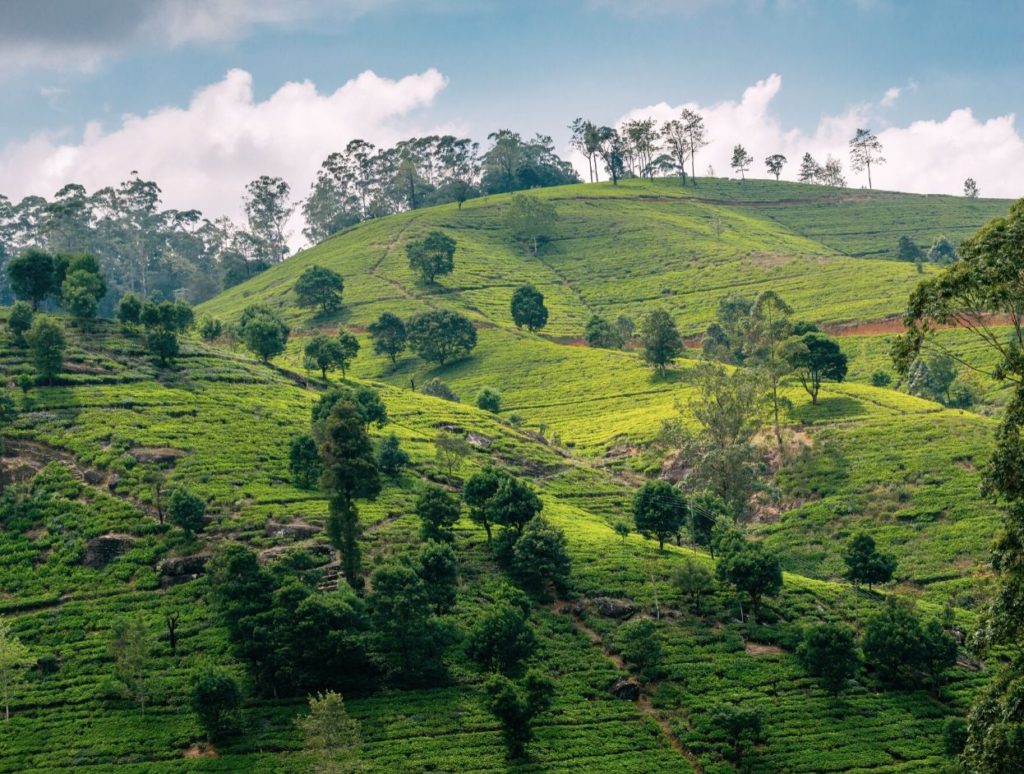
[[168, 254]]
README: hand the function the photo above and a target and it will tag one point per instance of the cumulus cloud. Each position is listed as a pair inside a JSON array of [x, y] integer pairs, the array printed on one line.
[[202, 155], [928, 156]]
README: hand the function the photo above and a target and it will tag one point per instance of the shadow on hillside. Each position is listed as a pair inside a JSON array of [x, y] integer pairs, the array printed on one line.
[[827, 409]]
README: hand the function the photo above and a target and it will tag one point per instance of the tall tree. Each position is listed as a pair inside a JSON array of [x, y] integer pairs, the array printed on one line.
[[432, 256], [441, 336], [659, 509], [768, 328], [774, 164], [46, 344], [319, 286], [815, 357], [586, 140], [517, 706], [530, 220], [528, 308], [865, 150], [389, 336], [267, 208], [741, 161], [971, 188], [677, 142], [810, 170], [696, 133], [131, 650], [32, 276], [331, 737], [660, 339]]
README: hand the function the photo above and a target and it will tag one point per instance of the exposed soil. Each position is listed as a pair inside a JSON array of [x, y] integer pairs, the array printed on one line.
[[757, 649]]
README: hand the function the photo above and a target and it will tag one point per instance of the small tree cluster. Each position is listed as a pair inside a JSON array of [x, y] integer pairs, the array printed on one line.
[[263, 332]]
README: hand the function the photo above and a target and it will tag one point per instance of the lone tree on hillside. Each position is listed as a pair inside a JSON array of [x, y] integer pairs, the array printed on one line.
[[163, 323], [659, 509], [741, 161], [441, 336], [696, 137], [971, 188], [479, 490], [865, 150], [810, 170], [317, 286], [186, 510], [903, 650], [389, 336], [263, 332], [865, 563], [767, 329], [660, 340], [433, 256], [774, 164], [528, 308], [215, 698], [348, 348], [530, 220], [814, 358], [502, 638], [46, 343], [130, 648], [322, 352]]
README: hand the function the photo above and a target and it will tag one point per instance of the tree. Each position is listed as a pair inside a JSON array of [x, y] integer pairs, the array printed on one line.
[[639, 643], [832, 173], [502, 638], [908, 250], [693, 581], [349, 473], [971, 188], [815, 357], [516, 706], [601, 333], [659, 509], [478, 491], [319, 286], [46, 344], [828, 651], [130, 649], [322, 352], [865, 150], [263, 332], [303, 462], [267, 209], [530, 220], [738, 726], [408, 638], [810, 170], [540, 558], [696, 137], [389, 336], [774, 164], [215, 698], [19, 321], [14, 659], [367, 402], [622, 529], [489, 400], [903, 651], [186, 510], [677, 141], [163, 322], [348, 348], [432, 256], [752, 570], [438, 568], [82, 286], [528, 308], [32, 276], [660, 340], [450, 450], [865, 563], [438, 512], [741, 161], [586, 139], [942, 252], [210, 328], [768, 328], [513, 504], [441, 336], [331, 738], [391, 457], [881, 378]]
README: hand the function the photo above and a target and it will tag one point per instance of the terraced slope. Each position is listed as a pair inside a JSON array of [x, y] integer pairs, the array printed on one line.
[[221, 422]]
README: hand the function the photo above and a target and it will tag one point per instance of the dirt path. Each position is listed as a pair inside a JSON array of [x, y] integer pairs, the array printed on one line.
[[643, 703]]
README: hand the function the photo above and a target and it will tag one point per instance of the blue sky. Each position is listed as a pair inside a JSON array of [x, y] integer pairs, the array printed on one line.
[[528, 65]]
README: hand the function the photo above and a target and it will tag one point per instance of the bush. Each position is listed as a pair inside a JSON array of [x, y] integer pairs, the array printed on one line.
[[540, 558], [186, 510], [438, 389], [19, 322], [639, 642], [210, 328], [881, 378], [489, 400], [391, 457], [215, 698]]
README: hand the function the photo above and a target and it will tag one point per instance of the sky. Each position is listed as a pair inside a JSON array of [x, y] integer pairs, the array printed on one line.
[[204, 95]]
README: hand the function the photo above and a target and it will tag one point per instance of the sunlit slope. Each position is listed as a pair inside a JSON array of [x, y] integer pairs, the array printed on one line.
[[627, 250]]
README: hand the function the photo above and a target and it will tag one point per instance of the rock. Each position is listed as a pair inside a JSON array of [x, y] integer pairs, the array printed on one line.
[[614, 608], [102, 550], [479, 441], [157, 454], [571, 608], [113, 481], [625, 688], [294, 530], [186, 567], [92, 477]]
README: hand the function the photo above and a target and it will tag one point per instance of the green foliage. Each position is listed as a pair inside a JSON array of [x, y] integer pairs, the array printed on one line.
[[477, 493], [601, 333], [528, 308], [46, 345], [163, 322], [304, 462], [82, 289], [441, 337], [530, 220], [331, 737], [438, 568], [33, 276], [450, 450], [389, 336], [540, 559], [323, 353], [391, 457], [639, 642], [439, 389], [513, 504], [489, 399], [216, 699], [865, 563], [881, 378], [371, 408], [902, 650], [433, 256], [502, 638], [750, 569], [19, 321], [659, 509], [829, 652], [739, 727], [15, 657], [438, 512], [130, 648], [815, 358], [210, 328], [693, 581], [908, 250], [319, 286], [660, 340], [263, 332], [186, 509], [516, 706]]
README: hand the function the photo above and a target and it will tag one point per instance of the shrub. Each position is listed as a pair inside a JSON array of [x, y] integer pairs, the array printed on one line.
[[20, 321], [215, 698], [881, 378], [186, 510], [489, 400]]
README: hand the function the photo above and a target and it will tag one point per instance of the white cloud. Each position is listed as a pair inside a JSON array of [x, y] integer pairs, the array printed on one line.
[[202, 155], [929, 156]]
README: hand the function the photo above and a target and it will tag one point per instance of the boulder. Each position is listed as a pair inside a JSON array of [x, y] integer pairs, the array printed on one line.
[[92, 477], [625, 688], [102, 550], [614, 608], [479, 441], [161, 455], [294, 530], [187, 567]]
